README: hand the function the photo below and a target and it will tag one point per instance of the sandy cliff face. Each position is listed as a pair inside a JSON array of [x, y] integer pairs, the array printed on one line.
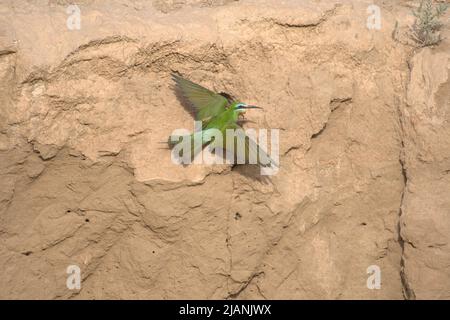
[[364, 145], [425, 219]]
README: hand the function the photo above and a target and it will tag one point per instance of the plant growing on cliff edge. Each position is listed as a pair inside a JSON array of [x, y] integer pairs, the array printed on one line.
[[425, 30]]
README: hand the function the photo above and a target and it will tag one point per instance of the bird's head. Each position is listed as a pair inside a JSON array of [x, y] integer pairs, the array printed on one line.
[[241, 107]]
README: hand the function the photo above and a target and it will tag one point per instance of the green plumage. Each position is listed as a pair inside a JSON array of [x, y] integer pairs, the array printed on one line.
[[217, 112]]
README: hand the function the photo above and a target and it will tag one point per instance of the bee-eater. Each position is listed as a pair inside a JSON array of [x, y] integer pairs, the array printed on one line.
[[218, 112]]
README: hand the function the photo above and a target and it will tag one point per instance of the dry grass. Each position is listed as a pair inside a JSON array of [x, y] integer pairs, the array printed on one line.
[[425, 30]]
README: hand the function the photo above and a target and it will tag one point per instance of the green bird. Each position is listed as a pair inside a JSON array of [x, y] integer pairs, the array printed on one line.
[[218, 112]]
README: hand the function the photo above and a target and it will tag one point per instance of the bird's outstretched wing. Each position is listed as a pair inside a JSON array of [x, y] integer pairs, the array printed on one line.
[[207, 104], [244, 149]]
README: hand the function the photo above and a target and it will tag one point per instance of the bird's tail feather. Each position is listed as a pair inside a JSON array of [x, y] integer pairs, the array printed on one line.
[[192, 143]]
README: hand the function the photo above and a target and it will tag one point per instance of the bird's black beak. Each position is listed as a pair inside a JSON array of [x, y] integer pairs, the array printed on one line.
[[251, 107]]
